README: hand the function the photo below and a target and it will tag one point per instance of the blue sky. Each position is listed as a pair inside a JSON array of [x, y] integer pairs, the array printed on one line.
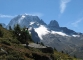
[[68, 13]]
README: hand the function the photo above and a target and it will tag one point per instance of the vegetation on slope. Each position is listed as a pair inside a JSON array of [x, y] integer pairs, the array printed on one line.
[[11, 47]]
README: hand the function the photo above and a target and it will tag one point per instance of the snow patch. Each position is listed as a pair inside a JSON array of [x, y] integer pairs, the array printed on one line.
[[30, 28], [76, 35], [60, 33], [42, 30], [22, 17], [31, 23]]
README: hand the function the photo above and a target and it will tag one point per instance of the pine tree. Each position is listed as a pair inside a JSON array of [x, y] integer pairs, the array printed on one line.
[[17, 28], [17, 31], [22, 34]]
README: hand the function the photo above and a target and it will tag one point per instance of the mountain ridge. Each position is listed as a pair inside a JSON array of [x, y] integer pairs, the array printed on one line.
[[35, 20], [12, 48], [61, 38]]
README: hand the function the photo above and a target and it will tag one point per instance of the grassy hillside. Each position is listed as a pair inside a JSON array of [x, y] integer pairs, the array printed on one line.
[[12, 49]]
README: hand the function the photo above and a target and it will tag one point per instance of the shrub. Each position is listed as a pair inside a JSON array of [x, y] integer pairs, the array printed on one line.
[[62, 51], [75, 56], [1, 33], [55, 49], [14, 55], [42, 43], [6, 42]]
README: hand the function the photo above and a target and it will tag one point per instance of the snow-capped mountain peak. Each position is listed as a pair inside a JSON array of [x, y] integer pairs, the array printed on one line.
[[53, 25], [61, 38], [40, 26], [26, 21]]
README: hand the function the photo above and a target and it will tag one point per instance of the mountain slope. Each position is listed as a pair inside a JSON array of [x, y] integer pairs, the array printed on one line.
[[61, 38], [12, 49]]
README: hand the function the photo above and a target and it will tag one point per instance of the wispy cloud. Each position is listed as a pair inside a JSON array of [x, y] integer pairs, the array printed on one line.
[[6, 16], [76, 23], [11, 16], [63, 4]]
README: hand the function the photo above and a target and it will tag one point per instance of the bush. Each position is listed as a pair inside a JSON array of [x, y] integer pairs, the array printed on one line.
[[6, 42], [75, 56], [47, 50], [11, 57], [42, 44], [1, 33], [14, 55], [55, 49], [62, 51]]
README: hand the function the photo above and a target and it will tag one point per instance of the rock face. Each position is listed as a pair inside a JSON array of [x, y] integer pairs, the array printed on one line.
[[61, 38], [36, 45], [68, 31], [34, 35], [53, 25]]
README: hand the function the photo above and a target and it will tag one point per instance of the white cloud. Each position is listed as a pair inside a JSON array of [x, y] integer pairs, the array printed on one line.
[[76, 23], [6, 16], [10, 16], [63, 4]]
